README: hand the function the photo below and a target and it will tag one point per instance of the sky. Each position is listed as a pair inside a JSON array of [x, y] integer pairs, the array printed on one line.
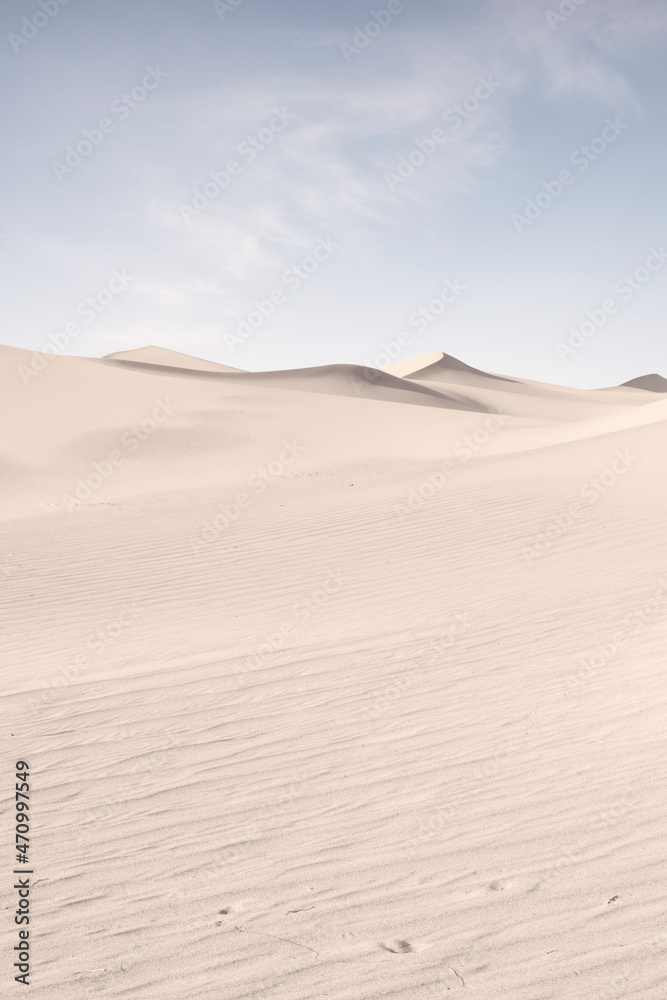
[[281, 185]]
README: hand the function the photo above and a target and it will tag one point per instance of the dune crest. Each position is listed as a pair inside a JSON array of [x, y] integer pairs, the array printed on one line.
[[166, 358]]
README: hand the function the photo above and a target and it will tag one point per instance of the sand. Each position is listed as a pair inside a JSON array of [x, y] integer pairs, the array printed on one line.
[[334, 682]]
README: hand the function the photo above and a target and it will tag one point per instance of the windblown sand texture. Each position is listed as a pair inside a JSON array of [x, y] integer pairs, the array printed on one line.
[[335, 683]]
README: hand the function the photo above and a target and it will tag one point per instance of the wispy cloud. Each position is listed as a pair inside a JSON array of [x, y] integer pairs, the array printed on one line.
[[578, 53], [326, 173]]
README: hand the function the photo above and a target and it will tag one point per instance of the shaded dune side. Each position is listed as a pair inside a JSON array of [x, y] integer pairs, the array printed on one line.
[[550, 408], [436, 367], [652, 383], [443, 368], [337, 380], [626, 395]]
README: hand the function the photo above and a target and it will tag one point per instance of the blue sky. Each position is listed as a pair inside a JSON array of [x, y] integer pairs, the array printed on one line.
[[116, 115]]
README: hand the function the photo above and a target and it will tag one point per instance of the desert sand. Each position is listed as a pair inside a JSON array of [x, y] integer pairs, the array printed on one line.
[[335, 682]]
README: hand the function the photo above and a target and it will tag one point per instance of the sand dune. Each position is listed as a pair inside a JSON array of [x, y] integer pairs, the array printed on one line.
[[336, 380], [334, 683], [165, 358], [438, 366], [653, 383]]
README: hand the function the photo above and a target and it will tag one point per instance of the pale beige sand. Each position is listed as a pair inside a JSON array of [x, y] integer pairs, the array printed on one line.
[[391, 727], [158, 356]]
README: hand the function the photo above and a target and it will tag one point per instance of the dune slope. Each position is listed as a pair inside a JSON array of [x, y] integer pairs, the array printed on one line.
[[335, 685]]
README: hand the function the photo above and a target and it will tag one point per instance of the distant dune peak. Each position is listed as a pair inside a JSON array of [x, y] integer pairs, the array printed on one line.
[[438, 366], [652, 383], [408, 366], [434, 360]]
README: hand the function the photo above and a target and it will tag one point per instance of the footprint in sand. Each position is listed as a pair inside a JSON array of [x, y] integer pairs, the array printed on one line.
[[501, 885], [403, 947], [516, 885], [397, 947]]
